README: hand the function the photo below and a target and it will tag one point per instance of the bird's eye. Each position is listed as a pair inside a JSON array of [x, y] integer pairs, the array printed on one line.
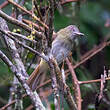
[[73, 29]]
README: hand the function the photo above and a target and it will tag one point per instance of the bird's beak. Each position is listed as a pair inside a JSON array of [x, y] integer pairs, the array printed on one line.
[[79, 33]]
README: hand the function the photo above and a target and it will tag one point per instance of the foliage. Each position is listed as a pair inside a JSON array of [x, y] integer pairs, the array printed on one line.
[[91, 18]]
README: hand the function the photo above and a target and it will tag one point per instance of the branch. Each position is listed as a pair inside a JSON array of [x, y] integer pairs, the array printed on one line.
[[34, 24], [51, 20], [54, 84], [64, 88], [12, 48], [35, 98], [92, 52], [92, 81], [23, 9], [76, 85], [11, 103], [25, 46], [20, 24], [22, 37], [38, 11], [103, 86], [49, 81], [67, 1], [16, 60], [18, 69], [3, 4]]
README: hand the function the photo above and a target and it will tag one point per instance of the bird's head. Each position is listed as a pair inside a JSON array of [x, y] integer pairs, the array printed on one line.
[[71, 32]]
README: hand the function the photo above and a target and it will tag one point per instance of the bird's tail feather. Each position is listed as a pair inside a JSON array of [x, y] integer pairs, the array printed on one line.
[[33, 79]]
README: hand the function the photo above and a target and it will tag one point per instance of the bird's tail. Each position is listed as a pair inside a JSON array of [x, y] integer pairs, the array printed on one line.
[[33, 79]]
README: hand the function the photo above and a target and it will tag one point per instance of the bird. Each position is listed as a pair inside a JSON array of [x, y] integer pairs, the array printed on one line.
[[62, 45]]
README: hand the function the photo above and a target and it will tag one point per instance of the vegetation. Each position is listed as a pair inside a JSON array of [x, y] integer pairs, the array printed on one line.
[[28, 27]]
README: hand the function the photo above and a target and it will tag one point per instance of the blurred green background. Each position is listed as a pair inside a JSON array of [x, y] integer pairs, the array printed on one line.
[[93, 19]]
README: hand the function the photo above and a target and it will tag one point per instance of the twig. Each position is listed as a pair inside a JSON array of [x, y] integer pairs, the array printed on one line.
[[20, 24], [17, 87], [7, 105], [3, 4], [43, 84], [39, 13], [23, 96], [92, 81], [67, 1], [16, 59], [94, 52], [100, 95], [64, 88], [23, 9], [80, 82], [51, 20], [18, 94], [54, 84], [25, 46], [28, 12], [30, 107], [11, 103], [21, 36], [34, 24], [12, 48], [3, 101], [49, 81], [44, 94], [76, 85], [11, 96]]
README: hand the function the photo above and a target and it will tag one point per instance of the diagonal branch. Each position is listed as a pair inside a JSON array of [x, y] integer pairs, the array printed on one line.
[[18, 23], [35, 98], [3, 4], [23, 9], [22, 37], [34, 24], [92, 52], [25, 46], [67, 1], [76, 85], [12, 48]]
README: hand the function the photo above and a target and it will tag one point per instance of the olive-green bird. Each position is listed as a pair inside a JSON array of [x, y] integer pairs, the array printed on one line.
[[61, 47]]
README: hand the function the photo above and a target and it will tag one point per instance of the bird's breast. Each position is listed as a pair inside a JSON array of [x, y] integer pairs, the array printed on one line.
[[61, 49]]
